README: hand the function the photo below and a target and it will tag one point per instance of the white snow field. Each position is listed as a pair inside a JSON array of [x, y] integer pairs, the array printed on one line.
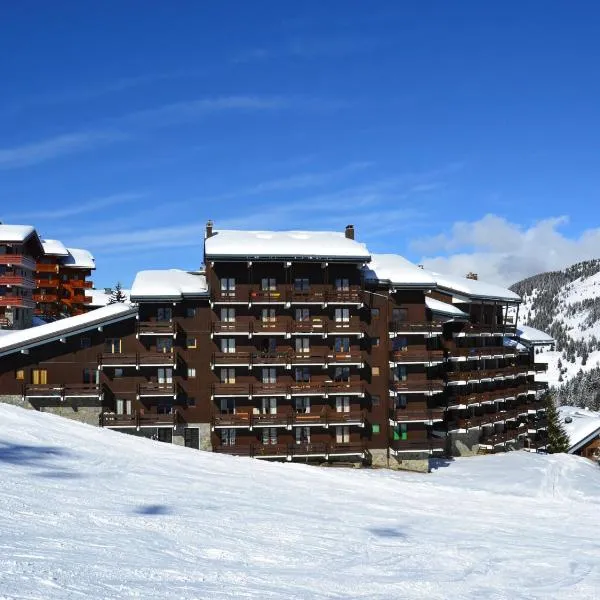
[[89, 513]]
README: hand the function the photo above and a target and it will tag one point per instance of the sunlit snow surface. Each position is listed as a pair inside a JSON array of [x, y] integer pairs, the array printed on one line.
[[87, 513]]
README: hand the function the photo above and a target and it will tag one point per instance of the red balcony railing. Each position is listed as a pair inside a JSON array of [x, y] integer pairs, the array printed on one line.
[[18, 260], [17, 281], [43, 268], [17, 301]]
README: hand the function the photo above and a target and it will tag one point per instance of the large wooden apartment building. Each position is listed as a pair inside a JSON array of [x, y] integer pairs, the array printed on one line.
[[40, 277], [293, 346]]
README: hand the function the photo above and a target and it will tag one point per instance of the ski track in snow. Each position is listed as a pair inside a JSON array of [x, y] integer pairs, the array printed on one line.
[[89, 513]]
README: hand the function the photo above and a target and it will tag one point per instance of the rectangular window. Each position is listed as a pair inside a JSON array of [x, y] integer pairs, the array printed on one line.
[[228, 315], [20, 374], [342, 404], [302, 374], [375, 400], [374, 342], [164, 345], [342, 435], [269, 375], [302, 405], [375, 428], [164, 314], [227, 284], [342, 285], [302, 314], [400, 344], [269, 436], [267, 315], [190, 342], [403, 431], [341, 374], [302, 345], [301, 284], [190, 312], [112, 346], [39, 377], [302, 435], [227, 437], [118, 373], [191, 372], [269, 406], [399, 315], [268, 284], [85, 342], [342, 344], [90, 376], [165, 375], [374, 313], [228, 375], [227, 406], [375, 371], [228, 345], [401, 401], [342, 315]]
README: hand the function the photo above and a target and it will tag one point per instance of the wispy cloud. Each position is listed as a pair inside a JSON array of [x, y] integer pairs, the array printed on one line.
[[81, 208], [51, 148]]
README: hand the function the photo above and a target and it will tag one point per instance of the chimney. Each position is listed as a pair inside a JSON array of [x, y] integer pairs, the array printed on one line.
[[472, 275], [349, 232], [209, 229]]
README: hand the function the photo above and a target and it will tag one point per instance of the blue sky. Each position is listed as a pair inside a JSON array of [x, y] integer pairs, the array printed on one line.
[[464, 135]]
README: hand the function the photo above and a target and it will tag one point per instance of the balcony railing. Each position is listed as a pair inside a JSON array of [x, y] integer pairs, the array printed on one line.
[[411, 327], [155, 328], [312, 326], [231, 389], [418, 385], [291, 451], [349, 357], [476, 352], [426, 415], [540, 367], [139, 359], [17, 301], [474, 375], [277, 326], [490, 328], [425, 445], [45, 297], [138, 420], [283, 326], [47, 283], [155, 390], [18, 260], [17, 281], [414, 356], [317, 294], [61, 391]]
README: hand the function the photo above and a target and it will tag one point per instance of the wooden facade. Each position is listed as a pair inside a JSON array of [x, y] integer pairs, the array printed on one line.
[[296, 360]]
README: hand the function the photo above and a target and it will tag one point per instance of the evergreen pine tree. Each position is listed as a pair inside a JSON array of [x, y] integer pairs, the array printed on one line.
[[117, 294], [558, 440]]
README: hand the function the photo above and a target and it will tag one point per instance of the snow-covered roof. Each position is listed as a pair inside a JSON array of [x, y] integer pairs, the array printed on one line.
[[54, 248], [474, 288], [533, 336], [34, 336], [79, 259], [316, 245], [396, 270], [15, 233], [582, 425], [172, 284], [436, 306]]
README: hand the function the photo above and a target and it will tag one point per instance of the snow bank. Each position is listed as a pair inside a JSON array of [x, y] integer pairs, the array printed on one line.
[[98, 514]]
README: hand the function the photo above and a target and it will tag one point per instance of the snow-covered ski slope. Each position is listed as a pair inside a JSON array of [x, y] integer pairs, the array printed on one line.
[[87, 513]]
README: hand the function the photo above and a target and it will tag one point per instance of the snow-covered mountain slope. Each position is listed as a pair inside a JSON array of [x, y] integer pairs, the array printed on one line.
[[90, 513], [565, 304]]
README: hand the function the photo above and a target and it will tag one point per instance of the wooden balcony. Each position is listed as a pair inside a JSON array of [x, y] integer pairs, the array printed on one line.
[[291, 451], [271, 420], [313, 358], [279, 326], [353, 295], [61, 391], [17, 281], [422, 446], [46, 298], [427, 415], [44, 283], [231, 328], [137, 420], [231, 359], [416, 356], [414, 327], [230, 296], [477, 352], [277, 296], [314, 326], [489, 328], [156, 390], [308, 388], [270, 358], [352, 326], [17, 302], [476, 375], [231, 389], [228, 421], [314, 295], [137, 360], [345, 358], [426, 386], [270, 389], [540, 367], [345, 388], [18, 260], [156, 328]]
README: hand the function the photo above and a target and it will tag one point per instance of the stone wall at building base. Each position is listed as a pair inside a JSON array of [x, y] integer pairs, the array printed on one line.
[[464, 443], [382, 460], [83, 412]]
